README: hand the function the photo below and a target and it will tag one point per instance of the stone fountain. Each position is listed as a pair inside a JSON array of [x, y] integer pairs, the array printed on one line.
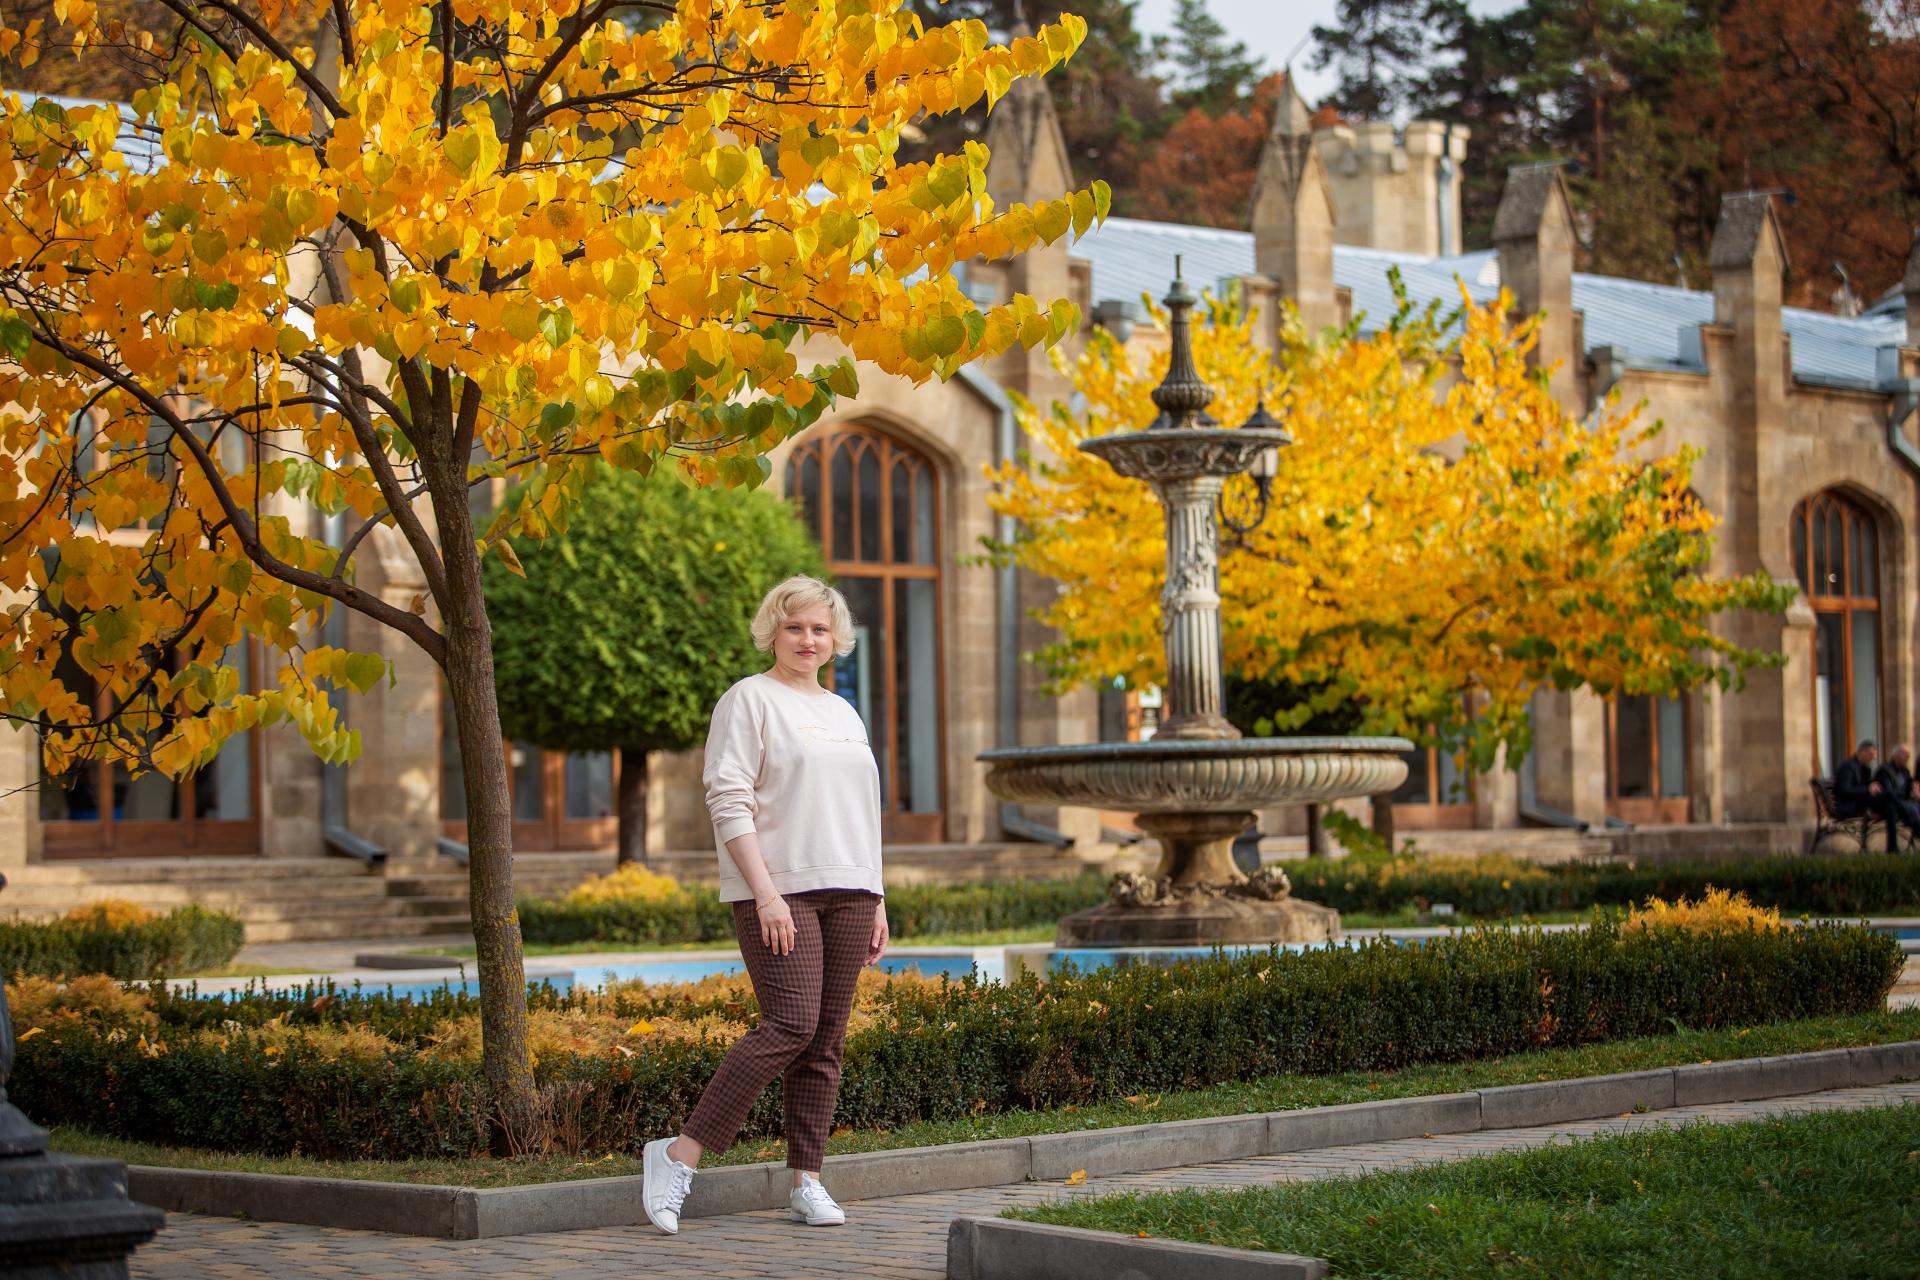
[[1197, 783]]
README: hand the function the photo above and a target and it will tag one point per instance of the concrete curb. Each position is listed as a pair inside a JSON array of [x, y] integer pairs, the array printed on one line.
[[1000, 1249], [468, 1213]]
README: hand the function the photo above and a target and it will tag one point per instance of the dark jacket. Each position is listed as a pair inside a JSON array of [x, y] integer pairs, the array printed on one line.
[[1851, 783], [1895, 781]]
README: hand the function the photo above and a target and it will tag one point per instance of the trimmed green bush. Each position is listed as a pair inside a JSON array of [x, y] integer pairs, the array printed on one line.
[[1815, 886], [694, 913], [938, 1051], [185, 940]]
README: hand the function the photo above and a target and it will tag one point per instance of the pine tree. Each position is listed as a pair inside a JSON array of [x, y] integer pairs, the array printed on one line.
[[1215, 74]]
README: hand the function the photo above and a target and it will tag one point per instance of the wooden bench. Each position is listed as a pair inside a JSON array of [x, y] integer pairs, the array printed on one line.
[[1860, 826]]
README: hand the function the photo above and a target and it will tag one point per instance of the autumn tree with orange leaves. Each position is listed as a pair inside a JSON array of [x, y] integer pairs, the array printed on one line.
[[435, 244], [1439, 526]]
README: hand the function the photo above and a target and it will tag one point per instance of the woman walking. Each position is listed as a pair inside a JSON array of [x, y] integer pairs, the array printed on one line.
[[795, 798]]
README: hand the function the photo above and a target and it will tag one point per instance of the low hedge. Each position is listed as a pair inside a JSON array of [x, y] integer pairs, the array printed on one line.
[[693, 913], [275, 1073], [1495, 886], [122, 940]]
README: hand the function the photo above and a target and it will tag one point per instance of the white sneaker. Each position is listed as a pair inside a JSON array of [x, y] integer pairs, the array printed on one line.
[[664, 1183], [813, 1206]]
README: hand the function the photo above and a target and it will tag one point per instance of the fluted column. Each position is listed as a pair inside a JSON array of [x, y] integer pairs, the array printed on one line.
[[1190, 611]]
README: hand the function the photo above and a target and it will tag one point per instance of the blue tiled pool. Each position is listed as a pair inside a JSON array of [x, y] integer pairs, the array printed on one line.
[[956, 965]]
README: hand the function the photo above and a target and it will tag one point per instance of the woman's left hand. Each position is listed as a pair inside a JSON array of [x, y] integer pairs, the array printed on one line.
[[877, 945]]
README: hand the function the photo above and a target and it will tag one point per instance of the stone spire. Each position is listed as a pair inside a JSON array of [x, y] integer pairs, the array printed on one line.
[[1293, 213], [1533, 234]]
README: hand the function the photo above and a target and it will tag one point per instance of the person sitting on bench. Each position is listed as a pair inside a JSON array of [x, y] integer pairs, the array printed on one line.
[[1856, 791], [1902, 792]]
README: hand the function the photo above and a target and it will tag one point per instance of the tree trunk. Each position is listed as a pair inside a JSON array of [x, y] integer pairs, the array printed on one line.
[[1383, 818], [631, 804], [1316, 832], [498, 958]]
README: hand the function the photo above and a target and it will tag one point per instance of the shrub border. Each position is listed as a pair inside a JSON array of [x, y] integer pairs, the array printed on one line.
[[470, 1213]]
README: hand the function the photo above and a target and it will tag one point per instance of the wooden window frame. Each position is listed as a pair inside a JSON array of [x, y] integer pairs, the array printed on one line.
[[1806, 519], [186, 836], [1436, 814], [1658, 807], [553, 831]]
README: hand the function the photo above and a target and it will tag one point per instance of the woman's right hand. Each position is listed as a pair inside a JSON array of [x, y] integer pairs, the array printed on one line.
[[776, 925]]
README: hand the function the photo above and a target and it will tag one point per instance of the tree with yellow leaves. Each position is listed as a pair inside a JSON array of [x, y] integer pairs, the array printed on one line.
[[1440, 527], [438, 242]]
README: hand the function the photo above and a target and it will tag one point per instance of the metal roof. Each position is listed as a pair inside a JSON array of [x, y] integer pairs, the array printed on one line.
[[1652, 325]]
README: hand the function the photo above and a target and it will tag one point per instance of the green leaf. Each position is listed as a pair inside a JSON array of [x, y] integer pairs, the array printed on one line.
[[945, 334], [556, 325], [842, 379], [555, 418], [364, 670], [215, 297], [16, 336], [405, 296]]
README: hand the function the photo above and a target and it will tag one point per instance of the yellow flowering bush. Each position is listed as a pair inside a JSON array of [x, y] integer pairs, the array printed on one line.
[[1718, 911], [43, 1002], [628, 882], [110, 913]]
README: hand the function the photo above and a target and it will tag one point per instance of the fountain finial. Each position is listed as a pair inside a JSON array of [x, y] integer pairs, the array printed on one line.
[[1181, 397]]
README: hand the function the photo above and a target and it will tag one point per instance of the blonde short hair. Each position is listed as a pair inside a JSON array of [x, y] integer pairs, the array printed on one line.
[[789, 598]]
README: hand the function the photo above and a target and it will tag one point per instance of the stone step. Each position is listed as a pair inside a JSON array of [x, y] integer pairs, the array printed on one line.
[[320, 928], [44, 900], [145, 871], [426, 886]]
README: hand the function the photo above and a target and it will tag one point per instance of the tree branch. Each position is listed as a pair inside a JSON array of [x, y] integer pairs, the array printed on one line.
[[410, 625]]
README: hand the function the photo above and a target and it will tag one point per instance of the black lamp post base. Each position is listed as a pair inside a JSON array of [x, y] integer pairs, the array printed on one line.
[[68, 1218]]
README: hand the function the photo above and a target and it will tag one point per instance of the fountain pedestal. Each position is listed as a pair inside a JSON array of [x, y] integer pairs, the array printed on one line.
[[1197, 896]]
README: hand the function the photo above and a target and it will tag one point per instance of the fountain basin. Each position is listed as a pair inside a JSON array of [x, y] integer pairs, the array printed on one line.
[[1195, 796], [1235, 775]]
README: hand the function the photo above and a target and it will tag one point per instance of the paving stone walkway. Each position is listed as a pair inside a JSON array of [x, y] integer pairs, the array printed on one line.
[[903, 1238]]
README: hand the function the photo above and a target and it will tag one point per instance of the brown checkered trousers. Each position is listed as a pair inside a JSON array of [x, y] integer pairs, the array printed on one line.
[[805, 997]]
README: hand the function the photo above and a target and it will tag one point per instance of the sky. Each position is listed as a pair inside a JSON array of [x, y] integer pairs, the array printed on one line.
[[1273, 29]]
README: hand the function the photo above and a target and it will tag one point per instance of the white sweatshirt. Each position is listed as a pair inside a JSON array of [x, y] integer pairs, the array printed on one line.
[[797, 769]]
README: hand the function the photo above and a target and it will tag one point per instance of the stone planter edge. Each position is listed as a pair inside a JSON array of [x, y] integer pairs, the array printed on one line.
[[467, 1213]]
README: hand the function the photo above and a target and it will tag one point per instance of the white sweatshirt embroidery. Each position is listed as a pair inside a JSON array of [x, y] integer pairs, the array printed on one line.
[[797, 769]]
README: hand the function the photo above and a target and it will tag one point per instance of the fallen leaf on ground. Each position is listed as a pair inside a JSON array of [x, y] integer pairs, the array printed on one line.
[[1077, 1177]]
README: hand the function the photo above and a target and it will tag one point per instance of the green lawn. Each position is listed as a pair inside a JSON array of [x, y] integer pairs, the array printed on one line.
[[1277, 1093], [1815, 1195]]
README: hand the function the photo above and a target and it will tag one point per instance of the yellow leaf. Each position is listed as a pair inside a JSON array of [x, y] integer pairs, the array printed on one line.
[[641, 1028], [1076, 1178], [28, 1034]]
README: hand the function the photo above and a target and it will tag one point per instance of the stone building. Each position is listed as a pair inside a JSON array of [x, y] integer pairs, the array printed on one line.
[[1808, 427]]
